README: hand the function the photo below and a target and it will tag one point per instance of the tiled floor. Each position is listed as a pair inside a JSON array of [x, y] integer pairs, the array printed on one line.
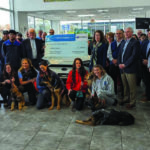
[[32, 129]]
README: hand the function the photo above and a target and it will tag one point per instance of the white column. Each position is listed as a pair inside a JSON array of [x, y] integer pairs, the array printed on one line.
[[21, 22], [56, 26]]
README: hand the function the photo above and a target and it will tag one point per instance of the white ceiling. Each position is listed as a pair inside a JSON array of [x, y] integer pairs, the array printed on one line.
[[117, 9], [111, 13]]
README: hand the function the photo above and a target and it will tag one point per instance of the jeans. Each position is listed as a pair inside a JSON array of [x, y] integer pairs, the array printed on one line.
[[43, 98]]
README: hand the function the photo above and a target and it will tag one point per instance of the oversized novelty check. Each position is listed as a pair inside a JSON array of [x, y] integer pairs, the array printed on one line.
[[62, 49]]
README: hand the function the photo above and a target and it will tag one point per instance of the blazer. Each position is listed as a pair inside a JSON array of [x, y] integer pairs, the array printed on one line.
[[131, 56], [115, 49], [101, 56], [27, 50]]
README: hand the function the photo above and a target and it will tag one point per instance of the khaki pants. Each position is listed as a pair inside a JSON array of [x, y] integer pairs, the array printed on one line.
[[129, 85]]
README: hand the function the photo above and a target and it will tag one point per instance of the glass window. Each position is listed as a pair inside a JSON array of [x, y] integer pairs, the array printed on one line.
[[39, 25], [30, 22], [119, 25], [4, 4], [47, 25], [129, 24], [5, 22]]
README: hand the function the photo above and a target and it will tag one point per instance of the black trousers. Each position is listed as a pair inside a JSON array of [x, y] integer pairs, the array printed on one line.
[[146, 78], [79, 101], [31, 92], [6, 94], [115, 74]]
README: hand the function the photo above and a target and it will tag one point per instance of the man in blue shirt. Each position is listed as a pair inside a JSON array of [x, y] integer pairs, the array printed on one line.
[[11, 51], [128, 62]]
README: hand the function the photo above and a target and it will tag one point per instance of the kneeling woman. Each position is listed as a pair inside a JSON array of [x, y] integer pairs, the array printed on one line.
[[103, 86], [27, 76], [76, 84], [9, 77], [44, 76]]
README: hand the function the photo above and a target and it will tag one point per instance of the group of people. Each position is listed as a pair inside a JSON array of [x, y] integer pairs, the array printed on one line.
[[126, 59], [114, 63]]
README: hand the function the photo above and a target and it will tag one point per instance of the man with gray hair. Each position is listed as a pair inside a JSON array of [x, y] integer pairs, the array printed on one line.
[[33, 48], [128, 62]]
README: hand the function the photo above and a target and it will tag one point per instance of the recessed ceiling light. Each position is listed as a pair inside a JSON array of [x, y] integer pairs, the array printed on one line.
[[89, 15], [104, 10], [71, 11], [137, 8], [132, 15], [135, 12]]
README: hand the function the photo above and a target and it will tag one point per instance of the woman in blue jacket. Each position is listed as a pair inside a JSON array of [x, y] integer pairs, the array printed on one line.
[[99, 52]]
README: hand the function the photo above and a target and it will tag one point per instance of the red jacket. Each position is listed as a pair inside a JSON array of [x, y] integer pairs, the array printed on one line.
[[76, 86]]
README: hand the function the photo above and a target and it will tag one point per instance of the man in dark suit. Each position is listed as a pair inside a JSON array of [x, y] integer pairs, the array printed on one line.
[[145, 51], [33, 48], [128, 62]]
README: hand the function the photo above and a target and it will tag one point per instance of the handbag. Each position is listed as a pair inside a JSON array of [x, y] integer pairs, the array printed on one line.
[[79, 94]]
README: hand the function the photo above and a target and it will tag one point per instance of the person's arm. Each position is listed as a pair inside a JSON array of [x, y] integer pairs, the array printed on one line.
[[93, 88], [24, 82], [84, 84], [69, 82], [38, 82]]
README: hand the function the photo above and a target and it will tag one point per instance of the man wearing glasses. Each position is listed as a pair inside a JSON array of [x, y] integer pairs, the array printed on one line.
[[128, 57], [51, 32]]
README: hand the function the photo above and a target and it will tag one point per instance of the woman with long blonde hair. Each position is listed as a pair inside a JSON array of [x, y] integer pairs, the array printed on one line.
[[27, 76], [103, 86]]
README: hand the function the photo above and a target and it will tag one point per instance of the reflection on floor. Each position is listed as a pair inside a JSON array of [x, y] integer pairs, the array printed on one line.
[[56, 130]]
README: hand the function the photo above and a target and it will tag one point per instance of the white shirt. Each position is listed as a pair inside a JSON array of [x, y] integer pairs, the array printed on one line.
[[118, 43], [33, 46], [109, 53]]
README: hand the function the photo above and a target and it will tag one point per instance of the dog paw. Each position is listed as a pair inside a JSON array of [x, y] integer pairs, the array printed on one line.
[[58, 107], [50, 108]]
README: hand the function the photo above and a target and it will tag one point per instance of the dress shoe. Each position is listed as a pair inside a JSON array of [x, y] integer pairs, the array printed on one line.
[[145, 100]]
